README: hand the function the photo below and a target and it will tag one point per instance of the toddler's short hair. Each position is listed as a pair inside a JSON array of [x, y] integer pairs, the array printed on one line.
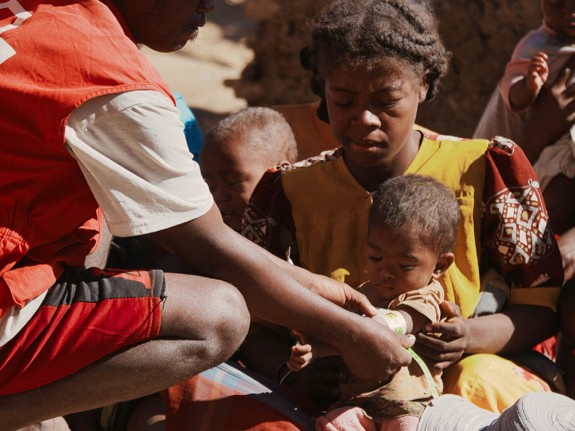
[[418, 203], [273, 139]]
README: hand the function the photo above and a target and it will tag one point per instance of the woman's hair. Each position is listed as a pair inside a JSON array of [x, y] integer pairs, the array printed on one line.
[[421, 204], [265, 130], [363, 32]]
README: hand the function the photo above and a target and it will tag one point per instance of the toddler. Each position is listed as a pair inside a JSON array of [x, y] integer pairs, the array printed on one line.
[[413, 224]]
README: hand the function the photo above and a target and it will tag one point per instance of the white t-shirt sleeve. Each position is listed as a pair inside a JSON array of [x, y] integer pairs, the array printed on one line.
[[132, 150]]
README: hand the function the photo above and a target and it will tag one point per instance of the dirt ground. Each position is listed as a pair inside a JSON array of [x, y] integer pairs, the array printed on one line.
[[200, 69]]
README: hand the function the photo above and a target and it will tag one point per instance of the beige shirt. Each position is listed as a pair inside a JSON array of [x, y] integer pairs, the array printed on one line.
[[409, 383]]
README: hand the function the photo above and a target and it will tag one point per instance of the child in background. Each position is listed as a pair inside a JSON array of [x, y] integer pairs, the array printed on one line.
[[536, 62], [413, 224], [236, 153]]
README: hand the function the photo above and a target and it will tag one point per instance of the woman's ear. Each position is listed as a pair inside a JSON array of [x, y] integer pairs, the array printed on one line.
[[444, 261], [424, 87]]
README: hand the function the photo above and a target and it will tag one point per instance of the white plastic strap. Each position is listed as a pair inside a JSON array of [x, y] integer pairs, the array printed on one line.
[[393, 318]]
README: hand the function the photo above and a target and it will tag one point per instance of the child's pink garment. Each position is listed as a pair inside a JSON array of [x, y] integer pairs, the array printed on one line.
[[356, 419]]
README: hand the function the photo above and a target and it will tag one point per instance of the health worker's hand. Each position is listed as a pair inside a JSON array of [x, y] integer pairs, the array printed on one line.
[[373, 351], [343, 295]]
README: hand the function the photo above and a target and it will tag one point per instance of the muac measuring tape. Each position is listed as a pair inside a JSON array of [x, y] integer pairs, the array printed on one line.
[[397, 324]]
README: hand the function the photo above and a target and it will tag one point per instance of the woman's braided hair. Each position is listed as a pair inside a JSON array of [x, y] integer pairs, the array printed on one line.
[[354, 32]]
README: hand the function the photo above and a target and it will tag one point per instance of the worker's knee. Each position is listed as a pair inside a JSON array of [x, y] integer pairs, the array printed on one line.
[[229, 322], [212, 314]]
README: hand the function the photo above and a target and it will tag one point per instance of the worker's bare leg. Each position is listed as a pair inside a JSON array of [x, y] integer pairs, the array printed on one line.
[[203, 323]]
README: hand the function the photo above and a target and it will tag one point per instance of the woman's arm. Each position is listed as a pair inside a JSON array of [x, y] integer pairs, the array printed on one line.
[[516, 329]]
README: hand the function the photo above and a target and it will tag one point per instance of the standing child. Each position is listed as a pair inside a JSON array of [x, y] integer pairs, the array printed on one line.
[[413, 224], [536, 62], [236, 153]]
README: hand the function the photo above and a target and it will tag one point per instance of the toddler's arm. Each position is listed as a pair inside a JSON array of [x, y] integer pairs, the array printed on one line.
[[305, 351], [524, 92], [403, 320]]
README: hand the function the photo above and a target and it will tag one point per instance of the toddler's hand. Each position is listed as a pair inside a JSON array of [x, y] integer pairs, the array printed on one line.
[[538, 72], [301, 356]]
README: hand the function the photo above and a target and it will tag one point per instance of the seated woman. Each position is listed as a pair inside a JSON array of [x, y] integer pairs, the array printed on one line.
[[376, 62], [374, 74]]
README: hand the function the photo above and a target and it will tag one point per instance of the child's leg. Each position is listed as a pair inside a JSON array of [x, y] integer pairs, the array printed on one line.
[[345, 419], [56, 424], [402, 423]]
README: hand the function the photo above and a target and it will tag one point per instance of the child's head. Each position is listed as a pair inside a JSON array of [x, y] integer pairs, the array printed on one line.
[[559, 15], [236, 153], [413, 224], [374, 62]]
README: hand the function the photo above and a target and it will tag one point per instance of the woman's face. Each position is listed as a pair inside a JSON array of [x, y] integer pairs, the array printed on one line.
[[372, 110], [165, 25]]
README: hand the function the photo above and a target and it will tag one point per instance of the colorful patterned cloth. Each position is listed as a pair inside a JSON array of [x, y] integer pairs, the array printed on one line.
[[226, 398]]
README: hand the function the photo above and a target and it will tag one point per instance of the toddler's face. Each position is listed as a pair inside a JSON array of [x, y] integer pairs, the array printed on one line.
[[231, 176], [560, 16], [397, 261], [372, 110]]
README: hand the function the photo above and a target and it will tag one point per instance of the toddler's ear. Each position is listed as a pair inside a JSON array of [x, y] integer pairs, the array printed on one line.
[[444, 261]]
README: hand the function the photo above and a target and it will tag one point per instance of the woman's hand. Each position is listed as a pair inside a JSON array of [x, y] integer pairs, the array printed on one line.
[[444, 342]]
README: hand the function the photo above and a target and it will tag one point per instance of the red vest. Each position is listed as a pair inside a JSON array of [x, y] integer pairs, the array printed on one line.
[[54, 55]]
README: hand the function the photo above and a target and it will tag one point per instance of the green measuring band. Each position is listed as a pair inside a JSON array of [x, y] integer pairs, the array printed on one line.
[[426, 372]]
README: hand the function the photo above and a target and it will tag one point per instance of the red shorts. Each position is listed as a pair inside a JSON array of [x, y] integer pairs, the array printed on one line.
[[84, 317]]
